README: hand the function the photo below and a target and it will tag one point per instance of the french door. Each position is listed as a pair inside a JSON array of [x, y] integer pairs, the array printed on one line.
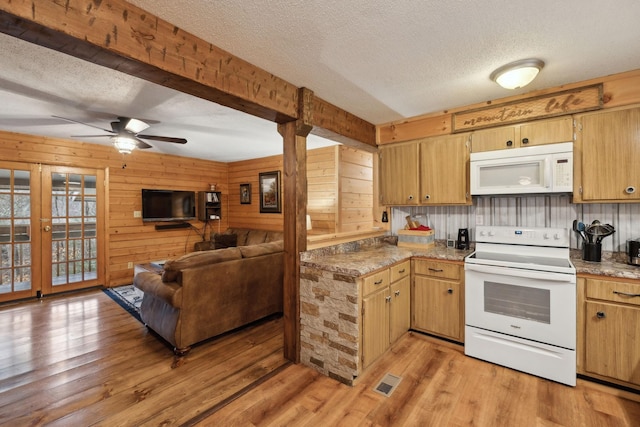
[[51, 229]]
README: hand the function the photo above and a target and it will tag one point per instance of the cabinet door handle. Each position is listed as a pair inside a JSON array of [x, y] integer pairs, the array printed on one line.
[[437, 270], [410, 197], [626, 294], [509, 143], [402, 271], [397, 293], [387, 299], [427, 196], [378, 282], [601, 315], [630, 189], [449, 291], [525, 140]]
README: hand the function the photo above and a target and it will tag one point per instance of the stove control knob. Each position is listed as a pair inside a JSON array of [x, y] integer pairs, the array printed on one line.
[[482, 233], [556, 236], [545, 236], [492, 233]]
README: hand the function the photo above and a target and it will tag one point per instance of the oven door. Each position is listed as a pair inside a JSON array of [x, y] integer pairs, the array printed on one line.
[[533, 305]]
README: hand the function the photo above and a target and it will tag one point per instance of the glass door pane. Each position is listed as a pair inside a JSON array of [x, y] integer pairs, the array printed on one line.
[[15, 234], [73, 237]]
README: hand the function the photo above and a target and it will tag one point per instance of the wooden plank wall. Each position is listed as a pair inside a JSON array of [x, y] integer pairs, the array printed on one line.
[[128, 238], [249, 216], [355, 191], [322, 189]]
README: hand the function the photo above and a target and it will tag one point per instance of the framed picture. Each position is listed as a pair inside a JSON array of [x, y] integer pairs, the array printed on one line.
[[270, 192], [245, 194]]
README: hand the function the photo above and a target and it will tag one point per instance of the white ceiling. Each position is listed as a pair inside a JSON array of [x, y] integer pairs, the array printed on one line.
[[382, 60]]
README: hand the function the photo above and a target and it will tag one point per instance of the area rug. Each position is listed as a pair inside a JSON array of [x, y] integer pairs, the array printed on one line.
[[128, 297]]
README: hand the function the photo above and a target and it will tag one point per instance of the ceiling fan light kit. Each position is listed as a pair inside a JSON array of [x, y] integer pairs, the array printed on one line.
[[125, 134], [517, 74], [124, 144]]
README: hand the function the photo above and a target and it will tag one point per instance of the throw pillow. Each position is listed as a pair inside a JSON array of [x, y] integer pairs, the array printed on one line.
[[221, 241]]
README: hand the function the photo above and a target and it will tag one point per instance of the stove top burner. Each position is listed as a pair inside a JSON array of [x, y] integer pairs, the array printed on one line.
[[541, 249]]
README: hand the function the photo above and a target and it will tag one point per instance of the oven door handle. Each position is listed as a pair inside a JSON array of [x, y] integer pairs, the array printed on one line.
[[516, 272]]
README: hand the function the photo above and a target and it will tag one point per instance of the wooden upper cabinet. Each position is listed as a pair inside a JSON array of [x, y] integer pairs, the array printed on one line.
[[608, 148], [444, 170], [493, 139], [549, 131], [399, 174], [540, 132]]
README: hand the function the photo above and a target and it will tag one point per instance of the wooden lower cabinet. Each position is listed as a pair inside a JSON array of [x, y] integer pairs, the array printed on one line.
[[438, 298], [385, 310], [611, 330]]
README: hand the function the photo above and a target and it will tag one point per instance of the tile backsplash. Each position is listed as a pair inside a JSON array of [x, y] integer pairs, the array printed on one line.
[[526, 211]]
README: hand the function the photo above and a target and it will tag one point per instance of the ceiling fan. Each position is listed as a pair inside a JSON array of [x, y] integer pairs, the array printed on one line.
[[125, 134]]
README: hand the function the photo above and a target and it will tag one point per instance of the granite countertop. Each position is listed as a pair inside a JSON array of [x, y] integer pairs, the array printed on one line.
[[612, 265], [369, 259]]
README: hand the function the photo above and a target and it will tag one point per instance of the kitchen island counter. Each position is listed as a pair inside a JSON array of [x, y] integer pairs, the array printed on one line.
[[371, 258]]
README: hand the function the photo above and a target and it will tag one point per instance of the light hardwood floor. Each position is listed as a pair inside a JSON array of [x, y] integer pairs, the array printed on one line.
[[439, 387], [81, 360]]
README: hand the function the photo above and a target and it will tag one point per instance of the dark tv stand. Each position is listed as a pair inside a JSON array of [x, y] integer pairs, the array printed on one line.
[[172, 226]]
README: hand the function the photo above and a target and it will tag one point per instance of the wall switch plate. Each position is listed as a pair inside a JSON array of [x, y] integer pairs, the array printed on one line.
[[137, 214], [451, 243], [129, 265]]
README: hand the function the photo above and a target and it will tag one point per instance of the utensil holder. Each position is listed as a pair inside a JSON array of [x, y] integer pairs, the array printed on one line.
[[591, 251]]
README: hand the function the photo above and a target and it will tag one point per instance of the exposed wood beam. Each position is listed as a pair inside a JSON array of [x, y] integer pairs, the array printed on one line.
[[123, 37], [294, 136], [334, 123]]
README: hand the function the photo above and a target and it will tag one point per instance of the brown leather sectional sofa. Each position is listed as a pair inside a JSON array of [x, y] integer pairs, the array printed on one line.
[[204, 294]]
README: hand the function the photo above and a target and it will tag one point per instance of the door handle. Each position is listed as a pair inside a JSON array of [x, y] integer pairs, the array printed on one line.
[[47, 228]]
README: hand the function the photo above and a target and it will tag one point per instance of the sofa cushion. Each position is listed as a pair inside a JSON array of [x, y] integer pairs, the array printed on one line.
[[255, 237], [172, 268], [262, 249], [273, 236], [242, 236], [223, 240]]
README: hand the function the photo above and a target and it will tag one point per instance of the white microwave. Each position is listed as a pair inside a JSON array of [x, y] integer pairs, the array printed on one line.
[[527, 170]]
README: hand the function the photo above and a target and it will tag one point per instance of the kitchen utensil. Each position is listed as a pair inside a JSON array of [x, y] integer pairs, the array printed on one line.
[[577, 230], [599, 231], [581, 228]]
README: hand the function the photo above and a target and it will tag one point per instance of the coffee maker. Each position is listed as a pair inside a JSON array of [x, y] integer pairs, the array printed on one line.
[[463, 239], [633, 251]]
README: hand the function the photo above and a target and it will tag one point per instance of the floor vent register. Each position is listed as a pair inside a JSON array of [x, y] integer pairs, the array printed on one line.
[[387, 384]]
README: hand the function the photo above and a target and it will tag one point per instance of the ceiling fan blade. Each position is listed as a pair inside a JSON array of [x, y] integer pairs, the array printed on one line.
[[142, 145], [132, 125], [91, 136], [164, 139], [82, 123]]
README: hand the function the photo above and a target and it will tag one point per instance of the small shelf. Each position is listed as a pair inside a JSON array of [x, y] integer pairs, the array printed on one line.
[[209, 205]]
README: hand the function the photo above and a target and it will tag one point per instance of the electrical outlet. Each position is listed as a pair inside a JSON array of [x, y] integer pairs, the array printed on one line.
[[129, 265], [137, 214]]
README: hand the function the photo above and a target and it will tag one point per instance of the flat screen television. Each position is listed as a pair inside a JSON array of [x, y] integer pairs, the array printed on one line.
[[168, 205]]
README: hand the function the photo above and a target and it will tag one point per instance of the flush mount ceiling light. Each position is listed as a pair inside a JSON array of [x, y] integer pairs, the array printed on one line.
[[517, 74], [124, 144]]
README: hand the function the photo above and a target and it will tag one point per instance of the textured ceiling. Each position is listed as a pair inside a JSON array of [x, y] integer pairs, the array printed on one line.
[[380, 60]]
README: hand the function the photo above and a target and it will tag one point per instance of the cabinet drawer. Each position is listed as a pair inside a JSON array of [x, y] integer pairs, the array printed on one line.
[[399, 271], [375, 282], [622, 292], [436, 269]]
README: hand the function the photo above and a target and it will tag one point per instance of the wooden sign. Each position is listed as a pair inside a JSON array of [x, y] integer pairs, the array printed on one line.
[[556, 104]]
